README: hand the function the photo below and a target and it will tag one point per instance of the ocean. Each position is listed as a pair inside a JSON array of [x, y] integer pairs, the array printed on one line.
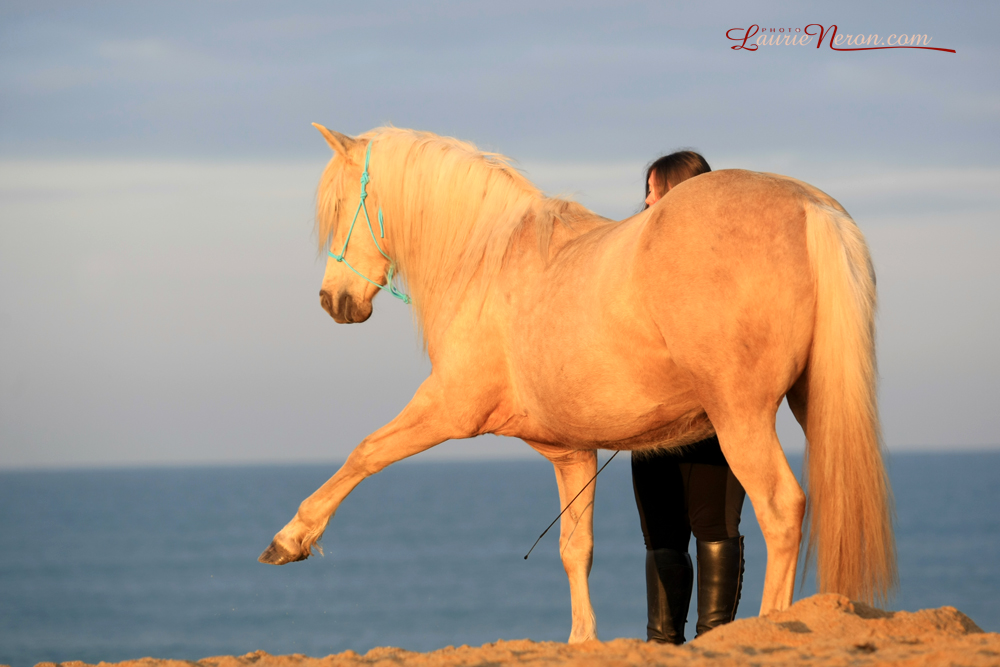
[[126, 563]]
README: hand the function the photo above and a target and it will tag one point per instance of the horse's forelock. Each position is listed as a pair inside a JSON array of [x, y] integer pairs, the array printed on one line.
[[329, 196]]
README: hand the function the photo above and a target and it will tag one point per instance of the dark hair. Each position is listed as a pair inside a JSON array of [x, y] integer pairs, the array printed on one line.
[[675, 168]]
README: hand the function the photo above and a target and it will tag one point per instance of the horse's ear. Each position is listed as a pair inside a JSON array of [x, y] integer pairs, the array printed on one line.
[[340, 143]]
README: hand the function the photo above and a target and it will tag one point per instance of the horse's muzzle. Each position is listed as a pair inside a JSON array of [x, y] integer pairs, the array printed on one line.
[[346, 310]]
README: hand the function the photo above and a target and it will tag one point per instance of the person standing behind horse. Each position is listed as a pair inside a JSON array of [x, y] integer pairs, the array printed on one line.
[[685, 491]]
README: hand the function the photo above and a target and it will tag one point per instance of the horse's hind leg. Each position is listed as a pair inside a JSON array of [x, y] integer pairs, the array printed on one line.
[[575, 468], [755, 456], [418, 427]]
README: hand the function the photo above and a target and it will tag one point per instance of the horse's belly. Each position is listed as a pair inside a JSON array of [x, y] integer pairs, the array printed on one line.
[[593, 420], [615, 392]]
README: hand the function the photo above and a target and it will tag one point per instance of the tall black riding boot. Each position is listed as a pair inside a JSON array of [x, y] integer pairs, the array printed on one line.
[[720, 580], [668, 593]]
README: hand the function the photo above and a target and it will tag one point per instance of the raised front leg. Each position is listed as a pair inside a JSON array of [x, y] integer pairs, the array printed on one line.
[[576, 531], [421, 425]]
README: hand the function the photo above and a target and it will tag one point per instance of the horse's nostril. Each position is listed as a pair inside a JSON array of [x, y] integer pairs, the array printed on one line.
[[326, 301], [345, 305]]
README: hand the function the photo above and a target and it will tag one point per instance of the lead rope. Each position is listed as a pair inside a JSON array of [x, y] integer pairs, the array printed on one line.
[[388, 287], [570, 503]]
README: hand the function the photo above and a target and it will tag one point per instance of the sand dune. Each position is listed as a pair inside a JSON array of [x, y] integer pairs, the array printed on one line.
[[823, 630]]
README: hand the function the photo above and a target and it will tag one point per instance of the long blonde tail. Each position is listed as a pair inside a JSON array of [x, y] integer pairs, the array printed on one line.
[[850, 501]]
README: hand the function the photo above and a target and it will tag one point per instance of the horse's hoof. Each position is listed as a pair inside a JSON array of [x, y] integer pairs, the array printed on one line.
[[279, 555]]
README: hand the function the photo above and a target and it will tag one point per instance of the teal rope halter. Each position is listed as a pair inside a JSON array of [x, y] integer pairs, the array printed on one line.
[[388, 287]]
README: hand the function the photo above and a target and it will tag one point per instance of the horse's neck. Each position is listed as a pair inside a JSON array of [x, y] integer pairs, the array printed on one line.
[[546, 227], [444, 263]]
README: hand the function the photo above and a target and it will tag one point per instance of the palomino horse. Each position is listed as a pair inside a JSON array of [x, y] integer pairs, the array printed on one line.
[[546, 322]]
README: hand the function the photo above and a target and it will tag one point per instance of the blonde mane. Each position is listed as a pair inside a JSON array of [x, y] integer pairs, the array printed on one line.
[[452, 212]]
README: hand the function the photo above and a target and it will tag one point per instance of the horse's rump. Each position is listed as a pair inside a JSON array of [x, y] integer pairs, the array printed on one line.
[[725, 269]]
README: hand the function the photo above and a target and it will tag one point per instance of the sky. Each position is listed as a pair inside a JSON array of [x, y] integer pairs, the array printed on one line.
[[158, 270]]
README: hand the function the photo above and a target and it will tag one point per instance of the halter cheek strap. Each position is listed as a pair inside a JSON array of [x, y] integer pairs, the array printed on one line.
[[388, 287]]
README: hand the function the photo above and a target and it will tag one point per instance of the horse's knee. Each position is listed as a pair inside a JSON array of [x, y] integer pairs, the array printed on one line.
[[577, 554], [363, 462], [573, 552]]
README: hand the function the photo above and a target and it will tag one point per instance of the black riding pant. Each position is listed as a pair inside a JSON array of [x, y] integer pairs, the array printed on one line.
[[691, 490]]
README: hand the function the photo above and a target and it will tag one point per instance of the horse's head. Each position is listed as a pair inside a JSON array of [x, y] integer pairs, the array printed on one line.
[[348, 226]]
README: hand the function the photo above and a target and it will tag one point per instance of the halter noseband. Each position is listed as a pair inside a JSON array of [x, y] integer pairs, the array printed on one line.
[[388, 287]]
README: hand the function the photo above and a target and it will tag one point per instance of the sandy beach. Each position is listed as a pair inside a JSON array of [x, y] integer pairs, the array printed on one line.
[[824, 630]]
